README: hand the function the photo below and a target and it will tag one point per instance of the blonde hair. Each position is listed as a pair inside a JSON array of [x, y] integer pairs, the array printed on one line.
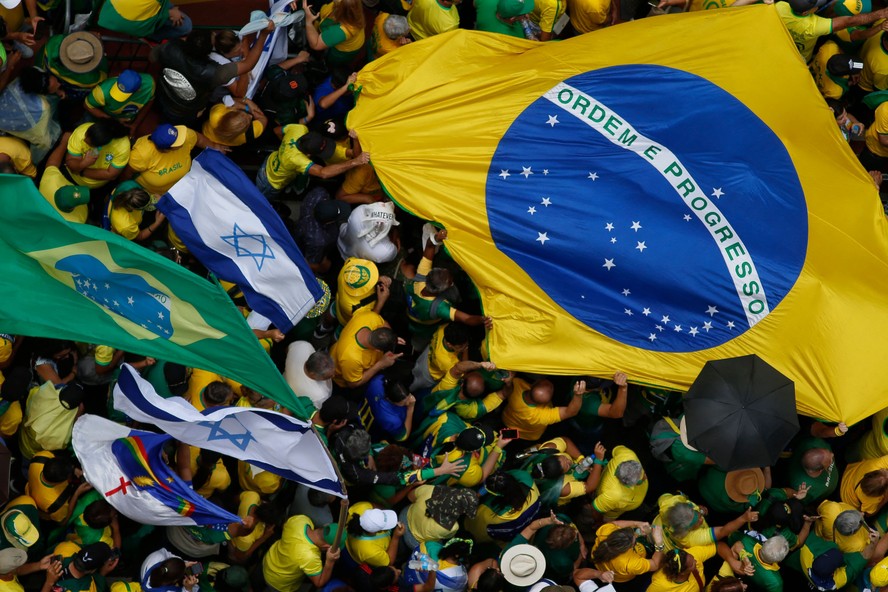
[[233, 124]]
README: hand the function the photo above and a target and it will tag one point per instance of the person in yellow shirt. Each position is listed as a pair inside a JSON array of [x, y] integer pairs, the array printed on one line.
[[806, 28], [252, 478], [623, 485], [545, 15], [236, 125], [297, 555], [361, 185], [874, 443], [338, 28], [159, 160], [51, 483], [590, 15], [265, 524], [618, 551], [565, 471], [204, 394], [831, 69], [97, 153], [359, 287], [68, 199], [125, 209], [363, 350], [432, 17], [684, 523], [873, 156], [14, 385], [843, 525], [449, 346], [682, 570], [10, 562], [864, 485], [874, 55], [390, 31], [373, 535], [530, 410], [209, 475], [15, 157]]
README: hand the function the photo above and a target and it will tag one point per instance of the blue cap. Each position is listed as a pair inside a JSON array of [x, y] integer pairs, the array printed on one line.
[[168, 136]]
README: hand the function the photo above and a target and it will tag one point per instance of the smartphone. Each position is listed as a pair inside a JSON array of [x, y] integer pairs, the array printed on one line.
[[195, 570], [55, 559], [509, 433]]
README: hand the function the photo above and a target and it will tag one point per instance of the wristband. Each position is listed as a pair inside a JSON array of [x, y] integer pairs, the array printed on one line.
[[659, 547], [602, 462], [838, 432]]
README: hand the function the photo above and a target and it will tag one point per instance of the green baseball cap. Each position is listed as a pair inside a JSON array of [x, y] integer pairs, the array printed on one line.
[[511, 8], [70, 196], [330, 535]]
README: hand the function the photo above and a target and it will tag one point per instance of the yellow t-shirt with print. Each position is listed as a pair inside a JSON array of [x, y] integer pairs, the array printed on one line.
[[875, 65], [612, 498], [428, 18], [159, 170], [282, 167], [19, 154], [530, 420], [53, 180], [371, 549], [878, 128], [702, 554], [827, 87], [804, 30], [115, 153], [546, 13], [589, 15], [351, 358], [248, 501], [700, 535], [292, 558], [627, 565]]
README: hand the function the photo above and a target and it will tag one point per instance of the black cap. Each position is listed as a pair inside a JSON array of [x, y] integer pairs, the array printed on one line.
[[843, 65], [92, 557], [176, 377], [333, 128], [332, 210], [474, 438], [316, 145], [289, 87], [71, 396]]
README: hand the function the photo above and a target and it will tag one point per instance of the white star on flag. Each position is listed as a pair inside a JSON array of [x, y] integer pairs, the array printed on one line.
[[504, 174], [707, 326], [609, 263], [693, 331], [613, 240], [627, 311], [546, 202], [593, 176], [130, 300], [711, 311], [717, 193], [641, 246], [116, 303], [687, 217], [609, 226], [658, 328], [160, 316], [652, 336], [645, 311], [677, 328], [730, 324], [531, 210], [665, 319], [107, 286], [526, 171], [545, 171], [626, 292], [543, 237], [635, 226], [553, 119]]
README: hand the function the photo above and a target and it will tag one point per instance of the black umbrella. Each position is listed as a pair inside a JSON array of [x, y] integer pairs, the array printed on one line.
[[741, 412]]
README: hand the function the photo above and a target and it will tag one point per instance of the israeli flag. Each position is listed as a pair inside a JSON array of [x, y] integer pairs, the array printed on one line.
[[268, 440], [232, 229]]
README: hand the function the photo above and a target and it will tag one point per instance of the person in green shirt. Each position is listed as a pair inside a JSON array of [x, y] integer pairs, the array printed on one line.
[[502, 16], [83, 571], [813, 464], [126, 98], [77, 60], [759, 562]]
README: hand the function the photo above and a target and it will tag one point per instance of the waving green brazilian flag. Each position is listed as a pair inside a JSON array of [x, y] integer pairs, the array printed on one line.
[[80, 282]]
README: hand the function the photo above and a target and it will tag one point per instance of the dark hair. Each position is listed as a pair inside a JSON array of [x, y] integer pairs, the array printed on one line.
[[198, 44], [456, 334], [170, 572], [390, 458], [490, 581], [318, 499], [455, 549], [617, 543], [34, 81], [98, 514], [510, 492], [727, 585], [51, 347], [438, 280], [382, 577], [353, 526], [225, 41], [217, 392], [268, 513], [549, 468], [383, 339], [335, 408], [4, 30], [875, 483], [58, 469], [675, 563], [836, 106], [103, 131], [206, 464], [395, 391], [561, 536]]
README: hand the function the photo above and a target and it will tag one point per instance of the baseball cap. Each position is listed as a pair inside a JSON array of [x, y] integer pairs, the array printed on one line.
[[11, 559], [128, 82], [169, 136], [316, 145], [824, 567], [19, 529], [473, 438], [71, 395], [289, 87], [511, 8], [232, 579], [330, 534], [92, 556], [332, 210], [70, 196], [358, 277], [374, 520], [879, 574], [843, 65]]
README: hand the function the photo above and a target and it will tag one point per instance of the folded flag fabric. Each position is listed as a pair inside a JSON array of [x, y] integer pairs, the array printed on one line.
[[644, 206], [80, 282], [126, 466], [233, 230], [266, 439]]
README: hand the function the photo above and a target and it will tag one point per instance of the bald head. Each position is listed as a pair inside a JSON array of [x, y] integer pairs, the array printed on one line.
[[541, 392], [474, 385], [816, 460]]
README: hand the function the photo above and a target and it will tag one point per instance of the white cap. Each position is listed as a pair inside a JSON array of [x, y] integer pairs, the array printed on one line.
[[378, 520], [10, 3]]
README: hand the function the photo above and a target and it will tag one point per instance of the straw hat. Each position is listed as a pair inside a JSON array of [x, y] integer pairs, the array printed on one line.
[[81, 52]]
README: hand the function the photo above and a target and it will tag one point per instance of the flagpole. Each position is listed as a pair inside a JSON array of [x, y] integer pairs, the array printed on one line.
[[343, 508]]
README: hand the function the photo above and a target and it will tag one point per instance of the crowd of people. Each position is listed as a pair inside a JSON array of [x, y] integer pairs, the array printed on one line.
[[461, 476]]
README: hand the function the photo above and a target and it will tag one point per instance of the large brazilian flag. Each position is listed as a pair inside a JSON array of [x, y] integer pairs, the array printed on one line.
[[80, 282], [644, 198]]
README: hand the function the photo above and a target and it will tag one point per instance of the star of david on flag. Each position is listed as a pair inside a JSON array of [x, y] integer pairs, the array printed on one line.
[[232, 229]]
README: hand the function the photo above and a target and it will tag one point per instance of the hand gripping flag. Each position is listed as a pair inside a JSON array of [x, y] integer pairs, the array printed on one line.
[[126, 466], [79, 282], [266, 439], [644, 198], [233, 230]]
